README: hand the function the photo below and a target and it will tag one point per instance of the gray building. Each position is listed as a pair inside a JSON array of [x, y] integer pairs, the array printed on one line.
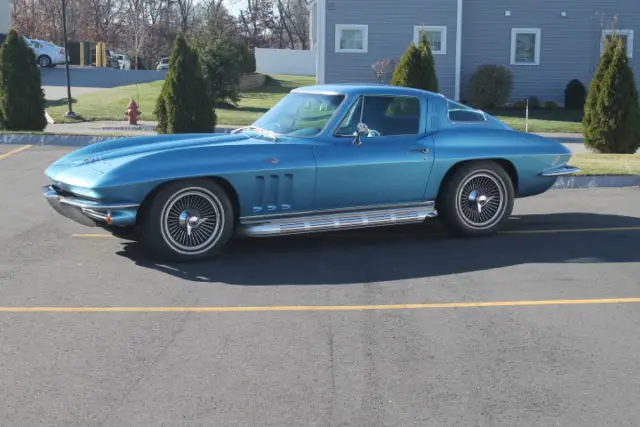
[[544, 43]]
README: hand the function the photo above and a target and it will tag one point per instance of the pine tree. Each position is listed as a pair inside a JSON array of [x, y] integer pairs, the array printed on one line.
[[416, 68], [22, 100], [184, 104], [612, 114]]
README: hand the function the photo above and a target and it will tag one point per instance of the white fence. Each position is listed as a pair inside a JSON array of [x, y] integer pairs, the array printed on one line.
[[286, 61]]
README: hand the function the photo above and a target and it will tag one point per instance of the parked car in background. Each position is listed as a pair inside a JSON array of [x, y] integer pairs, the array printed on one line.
[[163, 64], [48, 55], [123, 60], [325, 158]]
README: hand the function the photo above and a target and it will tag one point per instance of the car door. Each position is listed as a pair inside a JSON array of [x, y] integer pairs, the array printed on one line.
[[390, 167]]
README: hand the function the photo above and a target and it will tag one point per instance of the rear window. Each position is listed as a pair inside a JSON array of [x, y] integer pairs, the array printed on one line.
[[461, 113]]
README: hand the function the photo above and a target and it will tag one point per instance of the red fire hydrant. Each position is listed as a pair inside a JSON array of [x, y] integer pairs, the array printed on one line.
[[133, 113]]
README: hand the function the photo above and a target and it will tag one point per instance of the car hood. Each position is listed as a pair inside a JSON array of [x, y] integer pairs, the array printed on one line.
[[84, 165]]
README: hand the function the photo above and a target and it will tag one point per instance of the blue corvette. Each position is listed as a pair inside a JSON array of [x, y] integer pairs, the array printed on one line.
[[325, 158]]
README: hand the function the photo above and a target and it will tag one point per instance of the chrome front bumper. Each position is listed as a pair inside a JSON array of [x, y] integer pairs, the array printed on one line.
[[561, 170], [88, 212]]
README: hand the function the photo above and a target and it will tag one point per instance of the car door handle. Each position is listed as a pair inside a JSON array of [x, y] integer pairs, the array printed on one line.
[[421, 150]]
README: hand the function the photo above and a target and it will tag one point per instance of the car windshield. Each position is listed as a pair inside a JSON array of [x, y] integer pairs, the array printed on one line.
[[300, 114]]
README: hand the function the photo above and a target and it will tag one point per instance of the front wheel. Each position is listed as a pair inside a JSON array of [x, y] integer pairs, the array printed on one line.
[[476, 199], [188, 221]]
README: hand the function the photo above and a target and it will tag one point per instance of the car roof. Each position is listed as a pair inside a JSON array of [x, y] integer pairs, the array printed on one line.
[[365, 88]]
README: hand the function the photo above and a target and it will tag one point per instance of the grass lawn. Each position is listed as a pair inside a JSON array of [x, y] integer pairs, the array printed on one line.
[[542, 120], [110, 104], [606, 164]]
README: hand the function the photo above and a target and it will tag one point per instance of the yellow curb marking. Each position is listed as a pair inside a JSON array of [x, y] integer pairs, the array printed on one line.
[[318, 307], [12, 152]]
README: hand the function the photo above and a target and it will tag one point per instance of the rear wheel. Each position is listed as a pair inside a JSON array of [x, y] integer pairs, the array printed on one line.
[[476, 199], [188, 221], [44, 61]]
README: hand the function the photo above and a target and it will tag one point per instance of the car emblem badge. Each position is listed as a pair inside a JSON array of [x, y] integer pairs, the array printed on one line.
[[273, 160]]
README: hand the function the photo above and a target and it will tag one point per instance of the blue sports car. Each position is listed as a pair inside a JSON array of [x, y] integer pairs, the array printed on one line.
[[325, 158]]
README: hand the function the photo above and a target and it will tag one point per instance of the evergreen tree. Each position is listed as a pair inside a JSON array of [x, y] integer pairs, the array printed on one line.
[[22, 100], [416, 68], [612, 114], [184, 104]]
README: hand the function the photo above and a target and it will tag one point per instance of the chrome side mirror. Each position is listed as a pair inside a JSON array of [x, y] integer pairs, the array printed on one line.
[[362, 131]]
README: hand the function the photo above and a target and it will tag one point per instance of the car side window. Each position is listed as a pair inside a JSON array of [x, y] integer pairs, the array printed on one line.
[[386, 115]]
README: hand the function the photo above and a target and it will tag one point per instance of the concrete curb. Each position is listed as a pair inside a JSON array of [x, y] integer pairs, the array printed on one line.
[[563, 183]]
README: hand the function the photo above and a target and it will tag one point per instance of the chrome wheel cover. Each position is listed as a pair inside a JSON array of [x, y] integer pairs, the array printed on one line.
[[481, 200], [192, 221]]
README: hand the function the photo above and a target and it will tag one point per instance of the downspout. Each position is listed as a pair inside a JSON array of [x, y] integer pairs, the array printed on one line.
[[321, 34], [458, 51]]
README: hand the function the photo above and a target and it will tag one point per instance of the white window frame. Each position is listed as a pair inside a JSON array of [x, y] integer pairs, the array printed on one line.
[[628, 33], [443, 36], [514, 33], [365, 37]]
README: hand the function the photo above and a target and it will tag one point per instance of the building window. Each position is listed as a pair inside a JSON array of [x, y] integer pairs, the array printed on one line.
[[625, 35], [525, 46], [436, 36], [352, 38]]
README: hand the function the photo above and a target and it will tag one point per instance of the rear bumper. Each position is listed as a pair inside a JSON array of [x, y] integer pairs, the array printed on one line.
[[561, 170], [90, 213]]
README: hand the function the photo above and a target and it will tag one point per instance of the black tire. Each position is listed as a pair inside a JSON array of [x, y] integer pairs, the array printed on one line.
[[44, 61], [166, 228], [485, 184]]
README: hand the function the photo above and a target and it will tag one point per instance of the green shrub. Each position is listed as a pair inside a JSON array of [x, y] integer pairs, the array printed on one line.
[[22, 100], [184, 104], [222, 68], [575, 95], [490, 86], [416, 68], [612, 115], [550, 105], [247, 58]]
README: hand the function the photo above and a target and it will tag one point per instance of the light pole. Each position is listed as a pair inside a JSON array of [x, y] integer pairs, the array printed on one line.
[[69, 113]]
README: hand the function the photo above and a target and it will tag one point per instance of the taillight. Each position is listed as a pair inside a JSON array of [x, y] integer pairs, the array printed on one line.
[[62, 52]]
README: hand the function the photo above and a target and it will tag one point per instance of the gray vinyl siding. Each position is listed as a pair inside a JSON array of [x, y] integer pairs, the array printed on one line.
[[570, 45], [391, 29]]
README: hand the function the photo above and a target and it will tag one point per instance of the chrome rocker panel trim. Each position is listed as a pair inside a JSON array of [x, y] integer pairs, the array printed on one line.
[[560, 171], [336, 220], [87, 212]]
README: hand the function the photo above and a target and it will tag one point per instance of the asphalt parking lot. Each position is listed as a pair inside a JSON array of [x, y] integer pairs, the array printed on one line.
[[535, 327]]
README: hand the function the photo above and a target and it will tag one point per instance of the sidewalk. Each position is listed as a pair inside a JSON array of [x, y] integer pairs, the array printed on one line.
[[149, 128], [114, 128]]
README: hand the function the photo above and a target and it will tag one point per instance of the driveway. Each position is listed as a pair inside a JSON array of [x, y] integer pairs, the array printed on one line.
[[537, 326], [90, 79]]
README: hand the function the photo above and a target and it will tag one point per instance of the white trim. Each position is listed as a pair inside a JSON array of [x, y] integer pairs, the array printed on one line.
[[321, 40], [514, 33], [443, 36], [458, 71], [365, 37], [628, 33], [311, 3]]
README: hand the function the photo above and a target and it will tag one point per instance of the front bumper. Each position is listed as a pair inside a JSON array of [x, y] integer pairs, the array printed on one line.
[[88, 212], [561, 170]]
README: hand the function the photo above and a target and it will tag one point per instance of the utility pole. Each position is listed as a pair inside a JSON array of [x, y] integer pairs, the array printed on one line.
[[69, 113]]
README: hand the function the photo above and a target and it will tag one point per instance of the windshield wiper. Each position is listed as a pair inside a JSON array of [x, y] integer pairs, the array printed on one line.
[[265, 132]]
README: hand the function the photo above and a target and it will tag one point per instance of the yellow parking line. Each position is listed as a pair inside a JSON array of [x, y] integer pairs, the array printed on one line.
[[12, 152], [542, 231], [318, 307]]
